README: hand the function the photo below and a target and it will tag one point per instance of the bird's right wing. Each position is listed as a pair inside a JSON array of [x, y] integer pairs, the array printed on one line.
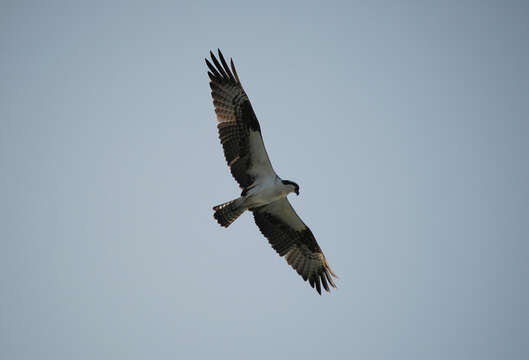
[[290, 237], [239, 130]]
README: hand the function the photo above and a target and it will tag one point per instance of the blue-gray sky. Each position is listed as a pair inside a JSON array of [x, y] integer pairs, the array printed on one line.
[[405, 124]]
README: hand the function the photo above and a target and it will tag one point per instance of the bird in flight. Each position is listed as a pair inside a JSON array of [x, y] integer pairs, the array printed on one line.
[[264, 193]]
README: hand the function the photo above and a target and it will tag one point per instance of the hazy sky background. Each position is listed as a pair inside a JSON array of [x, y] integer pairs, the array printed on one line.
[[406, 124]]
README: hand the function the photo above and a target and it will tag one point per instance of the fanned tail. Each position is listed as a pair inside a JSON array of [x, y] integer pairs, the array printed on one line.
[[228, 212]]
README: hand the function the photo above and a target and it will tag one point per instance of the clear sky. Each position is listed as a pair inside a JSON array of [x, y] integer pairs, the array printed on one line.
[[406, 124]]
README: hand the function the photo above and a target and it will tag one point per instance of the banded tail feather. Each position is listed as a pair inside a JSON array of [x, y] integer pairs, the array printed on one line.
[[228, 212]]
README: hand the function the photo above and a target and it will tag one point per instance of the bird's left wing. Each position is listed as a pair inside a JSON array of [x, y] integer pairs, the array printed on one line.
[[291, 238], [239, 130]]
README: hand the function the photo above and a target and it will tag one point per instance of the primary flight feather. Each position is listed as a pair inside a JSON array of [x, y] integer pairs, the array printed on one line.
[[264, 193]]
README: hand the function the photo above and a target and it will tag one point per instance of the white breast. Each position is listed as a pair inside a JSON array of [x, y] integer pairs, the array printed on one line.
[[271, 189]]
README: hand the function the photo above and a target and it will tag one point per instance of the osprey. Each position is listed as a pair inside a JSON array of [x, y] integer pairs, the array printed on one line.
[[263, 192]]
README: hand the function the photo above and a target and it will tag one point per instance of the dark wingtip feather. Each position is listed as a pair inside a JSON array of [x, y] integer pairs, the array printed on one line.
[[221, 70], [218, 66], [213, 70], [324, 282], [234, 71], [225, 66], [329, 278], [318, 286]]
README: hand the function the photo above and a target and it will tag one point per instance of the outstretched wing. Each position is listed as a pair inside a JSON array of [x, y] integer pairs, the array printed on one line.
[[239, 130], [291, 238]]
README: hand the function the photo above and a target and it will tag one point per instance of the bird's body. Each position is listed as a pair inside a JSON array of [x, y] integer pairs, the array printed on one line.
[[264, 193], [268, 190]]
